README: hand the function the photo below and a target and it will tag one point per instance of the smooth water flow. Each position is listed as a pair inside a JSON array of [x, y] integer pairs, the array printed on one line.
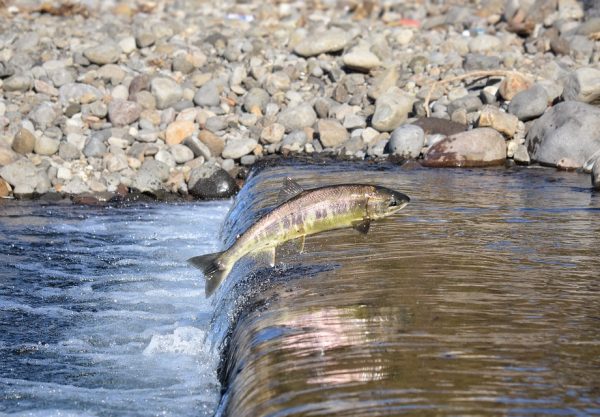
[[100, 314]]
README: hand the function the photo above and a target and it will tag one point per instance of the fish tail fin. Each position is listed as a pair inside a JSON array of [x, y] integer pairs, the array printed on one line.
[[213, 270]]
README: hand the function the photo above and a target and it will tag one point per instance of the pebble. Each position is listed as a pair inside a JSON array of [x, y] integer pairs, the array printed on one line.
[[272, 133], [503, 122], [25, 178], [238, 147], [7, 156], [78, 93], [198, 148], [45, 145], [361, 59], [332, 40], [115, 162], [166, 92], [331, 133], [294, 141], [256, 101], [513, 84], [407, 141], [208, 95], [178, 131], [68, 152], [181, 153], [298, 117], [17, 83], [391, 110], [44, 115], [122, 112], [583, 85], [24, 141], [104, 53], [212, 141], [467, 103], [484, 43], [530, 103]]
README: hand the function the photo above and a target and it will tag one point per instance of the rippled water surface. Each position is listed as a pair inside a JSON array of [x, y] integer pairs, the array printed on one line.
[[99, 313], [480, 298]]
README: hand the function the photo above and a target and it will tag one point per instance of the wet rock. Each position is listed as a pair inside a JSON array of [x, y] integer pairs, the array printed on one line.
[[530, 103], [583, 85], [596, 175], [24, 141], [211, 182], [238, 147], [123, 112], [212, 141], [25, 178], [178, 131], [330, 41], [567, 133], [166, 92], [296, 118], [521, 156], [391, 110], [406, 141], [104, 53], [493, 117], [474, 148], [331, 133], [45, 145]]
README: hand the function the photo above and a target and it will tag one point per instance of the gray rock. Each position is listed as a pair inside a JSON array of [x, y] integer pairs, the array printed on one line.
[[596, 175], [115, 162], [97, 108], [378, 148], [383, 82], [156, 168], [407, 141], [25, 178], [361, 59], [474, 148], [144, 37], [391, 110], [484, 43], [209, 182], [330, 41], [75, 186], [294, 141], [24, 141], [331, 133], [353, 147], [94, 147], [354, 121], [44, 115], [197, 147], [216, 123], [530, 103], [46, 146], [181, 153], [104, 53], [296, 118], [475, 62], [248, 159], [238, 147], [208, 95], [165, 157], [147, 136], [278, 81], [583, 85], [78, 93], [18, 82], [566, 135], [61, 77], [521, 156], [272, 133], [256, 101], [68, 152], [166, 92], [123, 112], [469, 103]]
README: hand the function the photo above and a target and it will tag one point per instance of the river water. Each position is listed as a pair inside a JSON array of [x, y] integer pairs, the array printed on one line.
[[480, 298], [99, 313]]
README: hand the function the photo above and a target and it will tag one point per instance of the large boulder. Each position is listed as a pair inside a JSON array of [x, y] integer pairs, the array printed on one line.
[[211, 182], [566, 136], [474, 148]]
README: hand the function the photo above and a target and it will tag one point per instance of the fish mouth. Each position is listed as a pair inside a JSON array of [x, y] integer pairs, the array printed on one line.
[[399, 200]]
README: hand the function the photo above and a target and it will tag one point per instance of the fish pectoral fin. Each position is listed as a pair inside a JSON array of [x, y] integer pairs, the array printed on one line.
[[289, 189], [362, 226]]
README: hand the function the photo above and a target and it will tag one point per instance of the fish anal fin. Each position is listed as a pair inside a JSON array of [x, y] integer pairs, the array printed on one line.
[[362, 226], [289, 189]]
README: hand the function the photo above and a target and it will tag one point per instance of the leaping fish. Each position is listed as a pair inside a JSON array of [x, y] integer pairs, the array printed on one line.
[[301, 213]]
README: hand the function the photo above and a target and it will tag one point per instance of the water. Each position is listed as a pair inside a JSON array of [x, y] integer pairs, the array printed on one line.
[[99, 313], [480, 298]]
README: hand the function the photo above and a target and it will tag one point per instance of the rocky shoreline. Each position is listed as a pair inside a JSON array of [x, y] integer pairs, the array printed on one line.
[[158, 98]]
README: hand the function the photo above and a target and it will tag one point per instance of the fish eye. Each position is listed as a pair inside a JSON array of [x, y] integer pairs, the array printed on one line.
[[393, 202]]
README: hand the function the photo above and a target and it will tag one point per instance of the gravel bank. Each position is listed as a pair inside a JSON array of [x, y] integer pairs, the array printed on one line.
[[105, 98]]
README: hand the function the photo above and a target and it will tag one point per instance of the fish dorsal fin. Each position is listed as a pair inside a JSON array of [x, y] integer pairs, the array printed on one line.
[[289, 189], [362, 226]]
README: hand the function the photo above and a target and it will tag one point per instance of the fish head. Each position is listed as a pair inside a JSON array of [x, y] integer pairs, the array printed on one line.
[[383, 202]]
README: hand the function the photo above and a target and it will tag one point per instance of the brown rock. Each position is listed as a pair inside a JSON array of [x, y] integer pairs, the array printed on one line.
[[5, 188], [24, 141], [474, 148], [437, 126], [331, 133], [513, 84], [178, 131], [214, 143], [7, 156], [503, 122]]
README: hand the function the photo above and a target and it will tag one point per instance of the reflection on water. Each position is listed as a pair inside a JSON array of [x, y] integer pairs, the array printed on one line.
[[480, 298]]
